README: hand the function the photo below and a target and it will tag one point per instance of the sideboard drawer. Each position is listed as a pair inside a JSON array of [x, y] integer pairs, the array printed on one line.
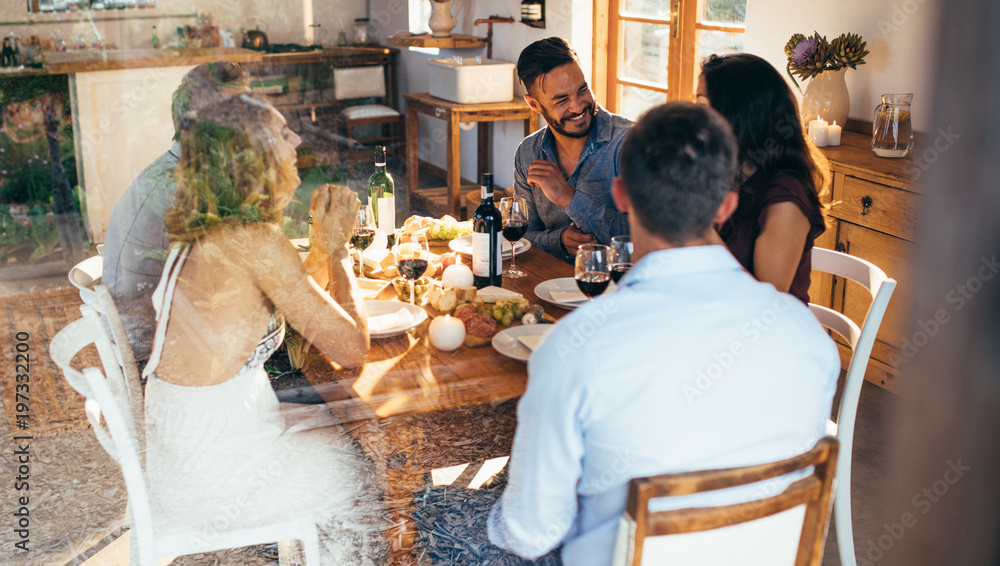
[[880, 207]]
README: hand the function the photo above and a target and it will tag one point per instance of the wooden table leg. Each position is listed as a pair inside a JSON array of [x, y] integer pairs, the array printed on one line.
[[531, 124], [454, 172], [484, 145], [412, 157]]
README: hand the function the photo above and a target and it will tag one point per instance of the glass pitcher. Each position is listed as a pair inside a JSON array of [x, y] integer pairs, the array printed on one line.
[[892, 131]]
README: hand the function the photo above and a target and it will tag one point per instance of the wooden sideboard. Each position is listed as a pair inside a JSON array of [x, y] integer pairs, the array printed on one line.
[[873, 216]]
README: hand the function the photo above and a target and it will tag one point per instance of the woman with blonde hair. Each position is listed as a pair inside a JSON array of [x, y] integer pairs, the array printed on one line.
[[220, 450]]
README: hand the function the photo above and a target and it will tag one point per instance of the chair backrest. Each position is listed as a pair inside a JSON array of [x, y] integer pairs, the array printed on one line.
[[126, 360], [85, 274], [797, 516], [359, 82], [860, 337], [107, 397]]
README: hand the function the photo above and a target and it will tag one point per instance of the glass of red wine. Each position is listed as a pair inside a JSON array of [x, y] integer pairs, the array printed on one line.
[[364, 233], [412, 258], [514, 211], [621, 257], [593, 269]]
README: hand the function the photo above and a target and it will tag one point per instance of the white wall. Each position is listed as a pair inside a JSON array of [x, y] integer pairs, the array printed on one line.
[[899, 34], [571, 19]]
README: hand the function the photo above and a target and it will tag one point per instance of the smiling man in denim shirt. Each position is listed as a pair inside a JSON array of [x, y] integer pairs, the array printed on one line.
[[564, 170]]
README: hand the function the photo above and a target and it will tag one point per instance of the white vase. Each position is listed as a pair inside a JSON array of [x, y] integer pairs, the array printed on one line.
[[827, 97], [442, 20]]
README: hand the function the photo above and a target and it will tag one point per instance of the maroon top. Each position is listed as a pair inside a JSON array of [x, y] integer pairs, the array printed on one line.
[[740, 232]]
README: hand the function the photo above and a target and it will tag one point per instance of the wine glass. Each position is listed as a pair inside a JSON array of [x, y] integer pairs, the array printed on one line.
[[364, 233], [515, 223], [593, 269], [412, 258], [621, 257]]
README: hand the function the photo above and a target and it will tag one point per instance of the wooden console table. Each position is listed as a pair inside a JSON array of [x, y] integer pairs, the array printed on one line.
[[874, 216], [448, 200]]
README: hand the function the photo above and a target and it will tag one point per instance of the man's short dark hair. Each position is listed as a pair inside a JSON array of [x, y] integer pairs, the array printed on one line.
[[541, 57], [677, 164]]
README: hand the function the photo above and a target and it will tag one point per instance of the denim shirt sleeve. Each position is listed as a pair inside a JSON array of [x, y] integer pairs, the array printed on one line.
[[548, 240], [592, 208]]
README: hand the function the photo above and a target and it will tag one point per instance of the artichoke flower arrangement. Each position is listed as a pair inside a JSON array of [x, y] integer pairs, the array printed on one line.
[[810, 56]]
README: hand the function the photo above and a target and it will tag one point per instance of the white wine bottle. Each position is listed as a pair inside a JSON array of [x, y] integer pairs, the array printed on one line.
[[380, 196], [487, 225]]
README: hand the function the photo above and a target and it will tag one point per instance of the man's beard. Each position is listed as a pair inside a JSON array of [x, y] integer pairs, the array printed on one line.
[[558, 126]]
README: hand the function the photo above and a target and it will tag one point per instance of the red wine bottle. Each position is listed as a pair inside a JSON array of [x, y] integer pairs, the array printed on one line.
[[487, 223]]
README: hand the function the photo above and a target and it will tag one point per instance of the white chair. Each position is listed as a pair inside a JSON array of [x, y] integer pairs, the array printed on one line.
[[85, 274], [125, 359], [784, 529], [153, 537], [861, 339], [356, 84]]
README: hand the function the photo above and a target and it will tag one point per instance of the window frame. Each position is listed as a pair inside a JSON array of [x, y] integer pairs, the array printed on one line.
[[682, 66]]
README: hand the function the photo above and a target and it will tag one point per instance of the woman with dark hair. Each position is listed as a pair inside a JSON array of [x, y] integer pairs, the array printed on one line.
[[220, 448], [781, 177]]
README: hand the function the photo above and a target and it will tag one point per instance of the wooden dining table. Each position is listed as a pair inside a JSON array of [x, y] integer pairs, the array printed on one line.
[[419, 413], [405, 374]]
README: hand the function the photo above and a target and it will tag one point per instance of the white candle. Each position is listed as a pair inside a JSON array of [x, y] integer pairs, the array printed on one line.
[[457, 275], [447, 333], [833, 134], [821, 135], [813, 125]]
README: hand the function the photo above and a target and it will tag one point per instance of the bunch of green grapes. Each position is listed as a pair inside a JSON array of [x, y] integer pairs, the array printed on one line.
[[450, 230], [507, 311]]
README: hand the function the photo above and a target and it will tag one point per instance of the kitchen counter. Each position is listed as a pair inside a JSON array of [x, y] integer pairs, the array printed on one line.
[[90, 60]]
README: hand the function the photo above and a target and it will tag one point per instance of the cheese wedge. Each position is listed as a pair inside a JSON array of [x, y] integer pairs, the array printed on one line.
[[493, 294]]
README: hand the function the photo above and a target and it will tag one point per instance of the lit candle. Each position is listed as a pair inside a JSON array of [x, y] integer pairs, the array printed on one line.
[[821, 135], [813, 125], [833, 134]]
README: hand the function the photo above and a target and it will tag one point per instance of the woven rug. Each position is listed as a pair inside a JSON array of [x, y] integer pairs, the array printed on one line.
[[54, 405]]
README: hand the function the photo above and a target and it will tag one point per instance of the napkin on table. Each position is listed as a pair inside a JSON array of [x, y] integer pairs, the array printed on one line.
[[568, 296], [388, 322]]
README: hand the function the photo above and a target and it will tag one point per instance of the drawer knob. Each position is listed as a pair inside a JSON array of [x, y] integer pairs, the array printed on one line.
[[866, 203]]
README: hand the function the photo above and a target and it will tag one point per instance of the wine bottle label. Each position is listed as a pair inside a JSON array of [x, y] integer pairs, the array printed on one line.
[[387, 214], [481, 254]]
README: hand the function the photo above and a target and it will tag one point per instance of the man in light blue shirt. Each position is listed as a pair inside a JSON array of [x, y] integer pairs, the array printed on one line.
[[564, 170], [691, 364], [136, 242]]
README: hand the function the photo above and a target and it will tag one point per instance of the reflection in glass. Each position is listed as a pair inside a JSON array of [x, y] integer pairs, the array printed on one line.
[[644, 53], [656, 8], [636, 100], [724, 11]]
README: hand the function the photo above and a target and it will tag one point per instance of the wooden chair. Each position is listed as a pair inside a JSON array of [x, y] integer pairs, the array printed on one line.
[[787, 528], [860, 339], [153, 536], [366, 85]]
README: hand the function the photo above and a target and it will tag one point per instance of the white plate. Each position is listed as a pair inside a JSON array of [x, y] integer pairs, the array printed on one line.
[[506, 342], [463, 245], [543, 290], [376, 308]]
